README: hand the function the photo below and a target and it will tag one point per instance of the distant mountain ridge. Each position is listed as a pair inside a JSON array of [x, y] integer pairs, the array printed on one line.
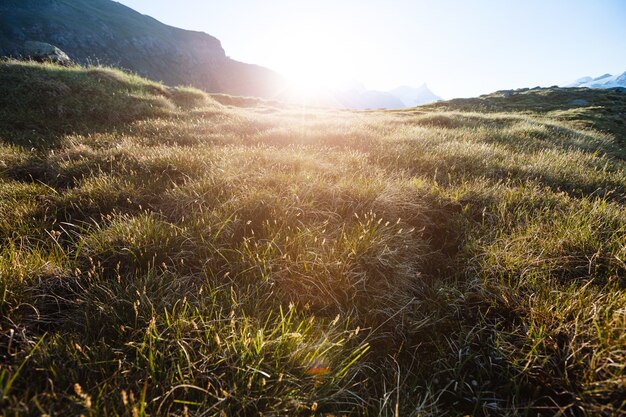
[[110, 33], [357, 96], [362, 98], [398, 98], [603, 81], [412, 96]]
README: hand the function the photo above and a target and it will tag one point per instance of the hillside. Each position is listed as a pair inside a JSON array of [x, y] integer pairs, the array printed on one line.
[[168, 252], [109, 33], [603, 110]]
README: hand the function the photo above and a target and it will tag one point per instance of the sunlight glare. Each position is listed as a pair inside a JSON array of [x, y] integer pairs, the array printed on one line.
[[314, 62]]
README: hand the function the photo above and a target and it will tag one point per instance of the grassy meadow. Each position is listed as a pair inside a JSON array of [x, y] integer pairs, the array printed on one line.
[[168, 252]]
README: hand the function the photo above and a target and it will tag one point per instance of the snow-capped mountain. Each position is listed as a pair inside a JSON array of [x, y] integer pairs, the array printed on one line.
[[603, 81]]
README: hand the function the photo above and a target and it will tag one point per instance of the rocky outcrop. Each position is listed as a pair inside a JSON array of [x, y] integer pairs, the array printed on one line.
[[44, 52], [107, 32]]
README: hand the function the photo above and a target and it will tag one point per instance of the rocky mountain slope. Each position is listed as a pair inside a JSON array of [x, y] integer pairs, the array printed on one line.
[[107, 32]]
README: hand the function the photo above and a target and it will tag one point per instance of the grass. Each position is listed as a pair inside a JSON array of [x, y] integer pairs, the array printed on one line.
[[602, 110], [41, 103], [165, 252]]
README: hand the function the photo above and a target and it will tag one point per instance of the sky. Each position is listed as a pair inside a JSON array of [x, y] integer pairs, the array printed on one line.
[[460, 48]]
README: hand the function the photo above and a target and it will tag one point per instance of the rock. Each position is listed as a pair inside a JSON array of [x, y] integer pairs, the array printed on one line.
[[44, 52]]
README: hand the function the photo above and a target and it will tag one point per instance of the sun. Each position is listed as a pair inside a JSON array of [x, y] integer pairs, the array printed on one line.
[[313, 63], [311, 82]]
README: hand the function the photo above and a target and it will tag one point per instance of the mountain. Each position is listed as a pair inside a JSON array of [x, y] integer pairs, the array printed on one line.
[[603, 81], [107, 32], [355, 95], [370, 99], [360, 98], [412, 96]]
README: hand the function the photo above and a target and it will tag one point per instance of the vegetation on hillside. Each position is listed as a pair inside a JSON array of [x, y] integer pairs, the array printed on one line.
[[164, 253], [603, 109]]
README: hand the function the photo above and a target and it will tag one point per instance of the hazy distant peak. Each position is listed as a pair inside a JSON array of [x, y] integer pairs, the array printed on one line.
[[583, 80], [352, 85], [415, 96]]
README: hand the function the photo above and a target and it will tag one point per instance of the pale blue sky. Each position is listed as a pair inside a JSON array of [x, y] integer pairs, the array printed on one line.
[[459, 47]]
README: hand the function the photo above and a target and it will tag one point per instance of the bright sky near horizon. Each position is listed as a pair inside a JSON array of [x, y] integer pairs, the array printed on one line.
[[459, 48]]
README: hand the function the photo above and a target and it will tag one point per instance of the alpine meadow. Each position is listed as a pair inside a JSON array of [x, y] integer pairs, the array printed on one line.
[[164, 251]]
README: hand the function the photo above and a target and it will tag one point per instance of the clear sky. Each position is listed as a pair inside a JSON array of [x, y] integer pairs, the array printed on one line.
[[459, 48]]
